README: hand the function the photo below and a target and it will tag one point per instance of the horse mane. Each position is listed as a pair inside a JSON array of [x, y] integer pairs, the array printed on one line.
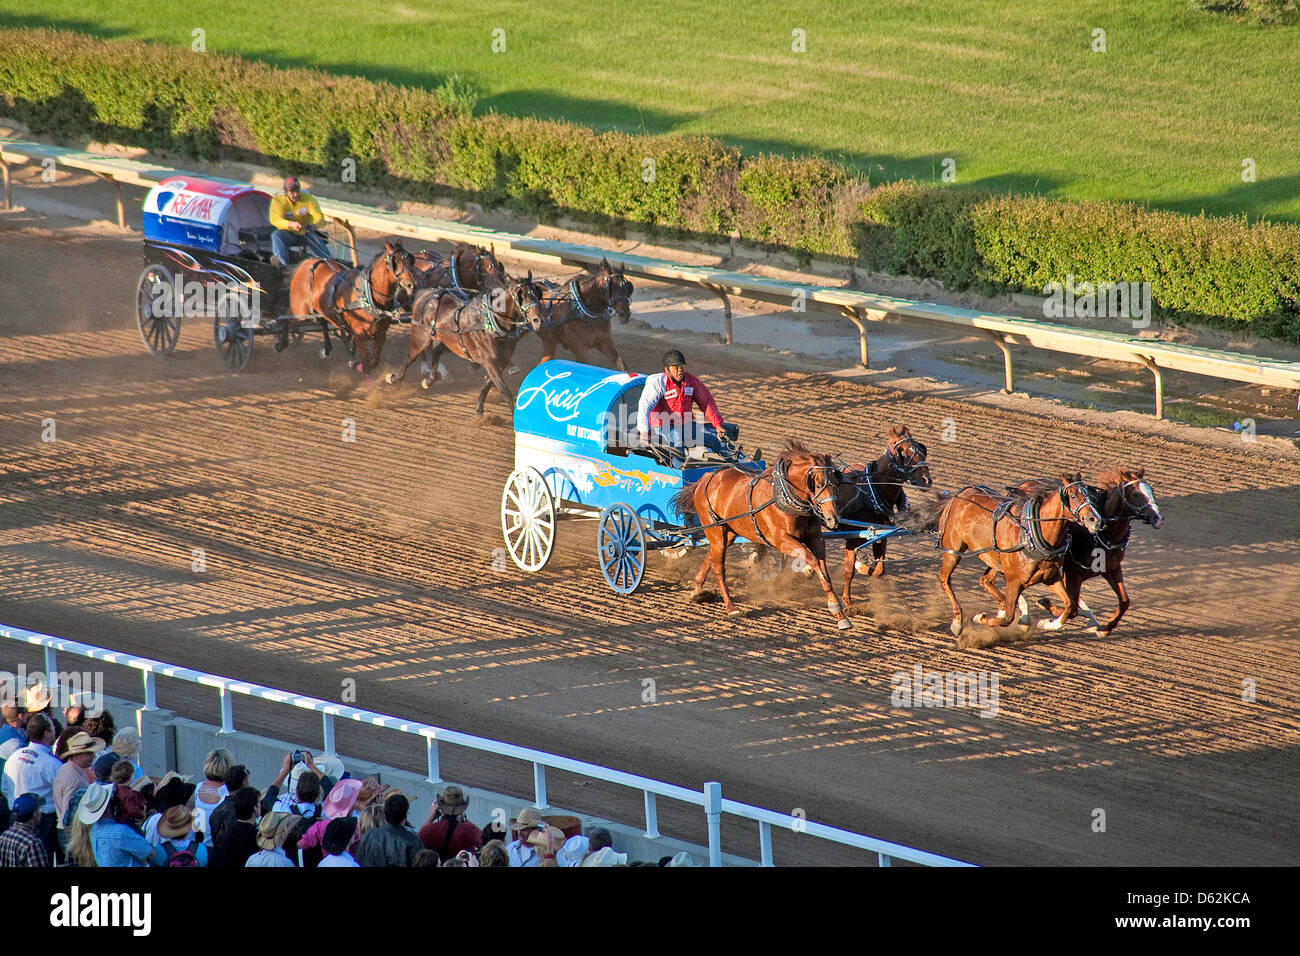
[[1109, 478], [1038, 490], [793, 451]]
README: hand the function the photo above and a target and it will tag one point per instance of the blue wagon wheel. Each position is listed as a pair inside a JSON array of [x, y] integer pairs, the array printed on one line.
[[157, 316], [234, 342], [528, 519], [620, 548]]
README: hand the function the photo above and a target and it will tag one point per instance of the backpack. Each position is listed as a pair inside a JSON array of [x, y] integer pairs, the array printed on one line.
[[183, 857]]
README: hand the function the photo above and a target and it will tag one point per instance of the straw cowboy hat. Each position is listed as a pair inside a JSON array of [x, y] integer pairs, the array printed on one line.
[[605, 856], [176, 822], [372, 791], [36, 697], [82, 743], [275, 829], [452, 802], [94, 802]]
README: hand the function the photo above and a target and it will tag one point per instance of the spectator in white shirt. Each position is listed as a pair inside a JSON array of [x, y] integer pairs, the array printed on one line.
[[32, 770]]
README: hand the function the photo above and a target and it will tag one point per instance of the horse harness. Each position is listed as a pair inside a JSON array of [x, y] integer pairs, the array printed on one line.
[[1031, 542], [782, 497], [329, 294]]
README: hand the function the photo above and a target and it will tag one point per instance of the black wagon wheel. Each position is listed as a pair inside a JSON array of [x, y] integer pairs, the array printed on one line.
[[233, 340], [158, 314]]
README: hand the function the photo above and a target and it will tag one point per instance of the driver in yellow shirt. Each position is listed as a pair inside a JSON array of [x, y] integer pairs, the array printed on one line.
[[295, 214]]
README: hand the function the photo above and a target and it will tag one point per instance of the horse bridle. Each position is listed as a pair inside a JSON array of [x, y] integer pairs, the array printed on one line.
[[1149, 510], [907, 467], [1087, 500], [786, 498], [575, 293], [516, 295]]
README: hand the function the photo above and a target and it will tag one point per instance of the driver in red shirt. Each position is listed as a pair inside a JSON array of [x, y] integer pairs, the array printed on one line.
[[665, 415]]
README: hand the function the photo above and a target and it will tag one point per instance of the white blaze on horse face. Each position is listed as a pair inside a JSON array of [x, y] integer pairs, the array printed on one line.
[[1145, 490]]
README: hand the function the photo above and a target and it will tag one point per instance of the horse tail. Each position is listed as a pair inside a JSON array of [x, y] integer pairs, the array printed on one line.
[[924, 515], [684, 501]]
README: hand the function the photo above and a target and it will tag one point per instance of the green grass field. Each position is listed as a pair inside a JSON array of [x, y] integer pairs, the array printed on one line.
[[1012, 92]]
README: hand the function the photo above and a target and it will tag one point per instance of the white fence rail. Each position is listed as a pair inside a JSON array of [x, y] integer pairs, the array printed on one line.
[[709, 799], [859, 308]]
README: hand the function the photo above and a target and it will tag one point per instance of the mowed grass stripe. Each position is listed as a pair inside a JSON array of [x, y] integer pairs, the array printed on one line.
[[1013, 93]]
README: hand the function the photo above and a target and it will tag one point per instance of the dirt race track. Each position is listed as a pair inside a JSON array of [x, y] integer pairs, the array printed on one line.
[[374, 560]]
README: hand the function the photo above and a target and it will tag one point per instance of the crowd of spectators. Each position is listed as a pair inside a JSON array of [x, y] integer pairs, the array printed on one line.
[[76, 795]]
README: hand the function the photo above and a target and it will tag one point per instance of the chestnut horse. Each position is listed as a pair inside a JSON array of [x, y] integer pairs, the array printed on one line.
[[803, 487], [874, 493], [483, 329], [1125, 495], [1023, 535], [356, 301], [578, 318]]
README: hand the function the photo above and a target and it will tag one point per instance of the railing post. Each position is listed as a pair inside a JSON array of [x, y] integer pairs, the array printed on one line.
[[9, 193], [884, 859], [713, 814], [327, 720], [51, 665], [765, 843], [1154, 369], [1000, 341], [651, 817], [539, 786], [227, 710], [852, 315], [150, 690], [726, 311], [435, 772]]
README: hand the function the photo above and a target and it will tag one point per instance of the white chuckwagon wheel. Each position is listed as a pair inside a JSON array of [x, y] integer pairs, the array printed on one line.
[[528, 519], [157, 316], [620, 548]]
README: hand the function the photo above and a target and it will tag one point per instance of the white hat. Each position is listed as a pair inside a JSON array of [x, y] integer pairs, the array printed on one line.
[[574, 849], [94, 802], [605, 856]]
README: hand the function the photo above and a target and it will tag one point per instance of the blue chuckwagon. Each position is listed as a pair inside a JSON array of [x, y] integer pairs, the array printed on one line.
[[207, 254], [577, 456]]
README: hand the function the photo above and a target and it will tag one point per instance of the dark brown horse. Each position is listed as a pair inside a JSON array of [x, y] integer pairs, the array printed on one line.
[[468, 269], [784, 507], [578, 316], [358, 302], [1023, 535], [1125, 495], [483, 329], [874, 493]]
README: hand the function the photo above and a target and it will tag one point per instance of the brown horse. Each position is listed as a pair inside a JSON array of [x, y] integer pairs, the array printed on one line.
[[874, 493], [358, 302], [1125, 495], [578, 318], [468, 269], [1023, 535], [483, 329], [783, 507]]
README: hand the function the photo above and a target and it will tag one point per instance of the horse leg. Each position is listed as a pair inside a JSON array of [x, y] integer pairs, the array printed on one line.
[[988, 583], [432, 353], [326, 349], [1060, 587], [815, 557], [718, 557], [878, 552], [1116, 581], [412, 353], [946, 567], [850, 563]]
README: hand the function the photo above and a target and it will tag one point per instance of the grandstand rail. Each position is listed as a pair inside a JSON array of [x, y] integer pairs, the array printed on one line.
[[709, 798], [860, 308]]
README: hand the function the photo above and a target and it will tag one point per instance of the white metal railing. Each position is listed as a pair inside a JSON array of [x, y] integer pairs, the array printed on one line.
[[709, 799], [859, 308]]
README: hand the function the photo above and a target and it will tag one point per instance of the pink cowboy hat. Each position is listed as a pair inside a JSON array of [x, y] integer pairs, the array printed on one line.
[[342, 798]]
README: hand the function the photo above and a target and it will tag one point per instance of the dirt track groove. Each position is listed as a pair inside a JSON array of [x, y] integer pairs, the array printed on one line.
[[375, 559]]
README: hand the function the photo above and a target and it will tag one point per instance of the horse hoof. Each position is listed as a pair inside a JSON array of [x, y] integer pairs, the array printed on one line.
[[844, 624], [862, 567], [324, 353], [956, 627], [734, 612], [425, 383], [978, 618], [1050, 624], [391, 378]]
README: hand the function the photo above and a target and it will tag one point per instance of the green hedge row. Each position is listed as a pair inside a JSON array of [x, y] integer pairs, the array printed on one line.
[[414, 143]]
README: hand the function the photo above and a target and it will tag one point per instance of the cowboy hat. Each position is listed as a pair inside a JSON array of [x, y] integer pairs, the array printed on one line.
[[528, 818], [34, 698], [176, 822], [545, 837], [574, 849], [82, 743], [94, 802], [371, 791], [452, 801], [342, 798], [274, 829], [605, 856], [173, 790]]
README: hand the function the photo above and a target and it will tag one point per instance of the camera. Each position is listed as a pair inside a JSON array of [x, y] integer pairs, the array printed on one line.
[[295, 758]]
